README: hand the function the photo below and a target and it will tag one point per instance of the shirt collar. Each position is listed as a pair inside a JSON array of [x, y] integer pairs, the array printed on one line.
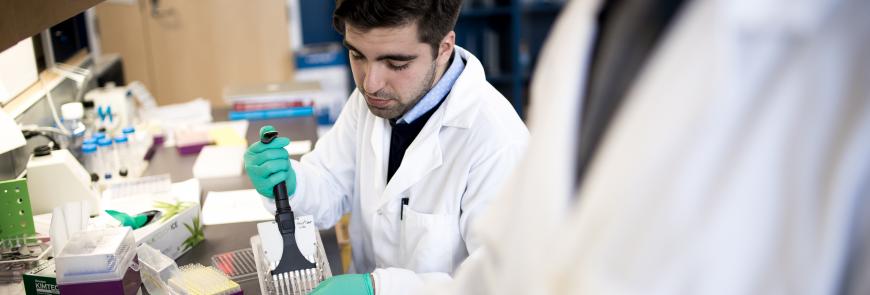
[[437, 93]]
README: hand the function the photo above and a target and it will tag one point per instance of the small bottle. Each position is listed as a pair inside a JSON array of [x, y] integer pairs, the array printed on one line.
[[99, 135], [122, 152], [91, 140], [72, 114], [91, 159], [133, 144], [107, 158]]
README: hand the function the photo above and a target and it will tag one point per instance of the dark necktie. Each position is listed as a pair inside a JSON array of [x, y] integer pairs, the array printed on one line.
[[628, 31]]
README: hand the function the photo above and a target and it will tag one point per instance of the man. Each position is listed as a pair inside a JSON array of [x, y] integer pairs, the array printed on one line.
[[736, 164], [419, 150]]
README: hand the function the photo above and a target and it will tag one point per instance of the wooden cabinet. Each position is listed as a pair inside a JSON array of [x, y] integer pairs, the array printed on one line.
[[20, 19], [184, 49]]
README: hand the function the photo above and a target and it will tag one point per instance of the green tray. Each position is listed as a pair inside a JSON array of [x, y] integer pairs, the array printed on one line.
[[16, 216]]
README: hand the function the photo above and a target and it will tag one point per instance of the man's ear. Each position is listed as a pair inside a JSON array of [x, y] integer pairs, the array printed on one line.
[[446, 48]]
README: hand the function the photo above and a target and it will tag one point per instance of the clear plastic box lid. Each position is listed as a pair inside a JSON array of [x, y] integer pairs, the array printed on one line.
[[96, 256]]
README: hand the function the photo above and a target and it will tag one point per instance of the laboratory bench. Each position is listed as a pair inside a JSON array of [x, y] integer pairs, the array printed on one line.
[[222, 238]]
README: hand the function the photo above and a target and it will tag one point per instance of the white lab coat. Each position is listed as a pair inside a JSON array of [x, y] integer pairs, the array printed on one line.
[[449, 173], [738, 163]]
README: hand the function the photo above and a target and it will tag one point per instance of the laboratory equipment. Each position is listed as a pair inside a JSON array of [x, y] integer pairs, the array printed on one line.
[[161, 275], [130, 133], [71, 118], [16, 216], [239, 265], [19, 248], [122, 152], [106, 154], [140, 142], [66, 221], [90, 159], [272, 285], [20, 256], [175, 228], [136, 152], [281, 244], [72, 114], [114, 107], [10, 133], [156, 269], [195, 279], [100, 261], [148, 185], [55, 178]]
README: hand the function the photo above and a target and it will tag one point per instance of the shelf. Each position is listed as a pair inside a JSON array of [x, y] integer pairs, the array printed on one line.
[[500, 79], [485, 12], [543, 7], [20, 19], [515, 24]]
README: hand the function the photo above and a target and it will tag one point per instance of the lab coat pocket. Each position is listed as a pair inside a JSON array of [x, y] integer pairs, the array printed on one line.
[[428, 241]]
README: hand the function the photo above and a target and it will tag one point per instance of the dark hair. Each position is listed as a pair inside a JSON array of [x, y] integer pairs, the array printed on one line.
[[435, 18]]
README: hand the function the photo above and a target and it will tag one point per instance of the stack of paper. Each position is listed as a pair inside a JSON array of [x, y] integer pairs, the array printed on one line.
[[234, 207]]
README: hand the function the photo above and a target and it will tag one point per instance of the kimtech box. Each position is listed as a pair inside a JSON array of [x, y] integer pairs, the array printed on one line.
[[41, 280]]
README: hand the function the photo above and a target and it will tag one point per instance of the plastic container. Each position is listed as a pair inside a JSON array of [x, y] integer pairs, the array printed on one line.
[[99, 135], [132, 141], [122, 153], [239, 265], [106, 155], [92, 140], [156, 269], [130, 132], [99, 262], [89, 155], [72, 114], [137, 148]]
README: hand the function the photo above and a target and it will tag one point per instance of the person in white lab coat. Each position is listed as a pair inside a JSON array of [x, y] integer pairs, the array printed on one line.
[[420, 148], [737, 163]]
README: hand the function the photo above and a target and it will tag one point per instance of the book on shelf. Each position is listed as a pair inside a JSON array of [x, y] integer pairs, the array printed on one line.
[[259, 106], [290, 112]]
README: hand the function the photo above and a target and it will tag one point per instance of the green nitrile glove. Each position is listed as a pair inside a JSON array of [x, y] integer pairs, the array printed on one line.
[[269, 164], [134, 222], [346, 284]]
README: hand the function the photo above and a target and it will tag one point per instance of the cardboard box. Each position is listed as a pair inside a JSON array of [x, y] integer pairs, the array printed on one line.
[[41, 280], [176, 235], [174, 231]]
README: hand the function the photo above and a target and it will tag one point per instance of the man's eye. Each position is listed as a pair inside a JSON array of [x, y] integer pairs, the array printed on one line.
[[356, 56], [396, 67]]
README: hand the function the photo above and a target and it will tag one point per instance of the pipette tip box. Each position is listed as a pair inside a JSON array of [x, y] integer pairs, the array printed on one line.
[[99, 262]]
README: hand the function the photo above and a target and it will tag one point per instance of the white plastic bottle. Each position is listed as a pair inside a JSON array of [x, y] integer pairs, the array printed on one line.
[[71, 115]]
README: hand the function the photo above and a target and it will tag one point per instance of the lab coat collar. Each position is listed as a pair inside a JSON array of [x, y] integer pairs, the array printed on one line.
[[460, 106], [423, 156], [459, 110]]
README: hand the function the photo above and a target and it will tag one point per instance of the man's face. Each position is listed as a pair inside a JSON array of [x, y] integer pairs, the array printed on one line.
[[391, 67]]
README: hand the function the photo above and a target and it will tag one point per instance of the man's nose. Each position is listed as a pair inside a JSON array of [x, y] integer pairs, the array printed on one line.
[[374, 80]]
